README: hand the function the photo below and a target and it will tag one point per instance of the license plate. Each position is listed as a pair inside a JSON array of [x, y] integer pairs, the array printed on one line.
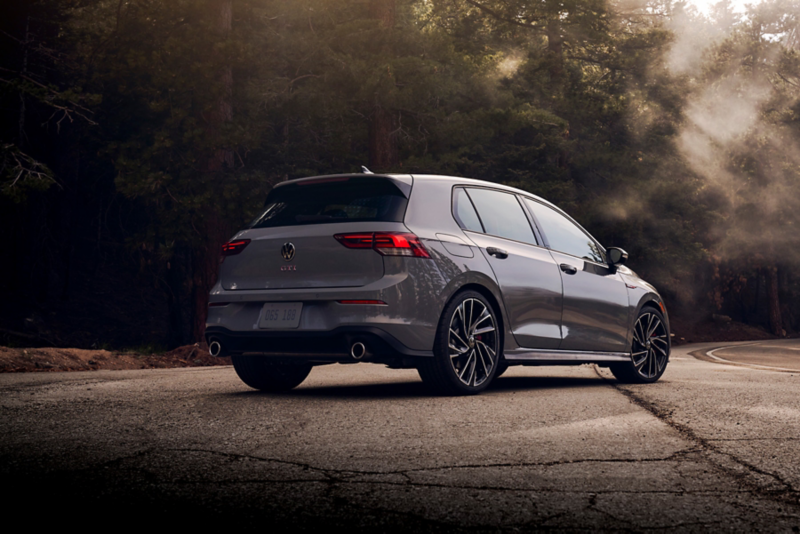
[[281, 315]]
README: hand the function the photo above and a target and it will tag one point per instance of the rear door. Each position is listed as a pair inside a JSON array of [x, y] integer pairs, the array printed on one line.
[[528, 276]]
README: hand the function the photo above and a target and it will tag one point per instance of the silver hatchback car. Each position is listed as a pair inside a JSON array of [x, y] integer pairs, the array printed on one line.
[[455, 277]]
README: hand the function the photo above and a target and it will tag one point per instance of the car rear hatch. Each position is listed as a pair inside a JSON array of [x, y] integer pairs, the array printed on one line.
[[292, 245]]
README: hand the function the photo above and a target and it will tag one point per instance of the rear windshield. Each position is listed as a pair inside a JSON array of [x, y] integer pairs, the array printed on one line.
[[337, 200]]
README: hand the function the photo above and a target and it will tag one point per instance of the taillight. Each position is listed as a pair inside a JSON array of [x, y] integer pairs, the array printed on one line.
[[386, 243], [231, 248], [356, 240]]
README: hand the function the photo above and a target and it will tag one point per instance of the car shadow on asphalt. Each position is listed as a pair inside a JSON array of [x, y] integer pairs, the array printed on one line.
[[416, 389]]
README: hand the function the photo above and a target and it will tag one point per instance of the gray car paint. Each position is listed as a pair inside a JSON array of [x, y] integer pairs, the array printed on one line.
[[416, 290]]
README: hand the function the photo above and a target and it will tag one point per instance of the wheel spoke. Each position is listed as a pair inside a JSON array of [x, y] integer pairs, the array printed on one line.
[[489, 349], [466, 366], [468, 321], [660, 340], [639, 362], [484, 330], [473, 370], [636, 338], [483, 363], [457, 352], [655, 324], [637, 332], [472, 319], [459, 338], [659, 349], [482, 317], [651, 368]]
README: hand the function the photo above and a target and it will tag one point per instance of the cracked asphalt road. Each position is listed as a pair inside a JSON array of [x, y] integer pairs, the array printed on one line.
[[709, 447]]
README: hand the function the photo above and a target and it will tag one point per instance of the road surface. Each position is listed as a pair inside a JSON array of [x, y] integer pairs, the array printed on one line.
[[712, 446]]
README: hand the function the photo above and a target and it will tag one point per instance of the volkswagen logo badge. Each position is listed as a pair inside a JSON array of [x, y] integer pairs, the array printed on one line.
[[287, 251]]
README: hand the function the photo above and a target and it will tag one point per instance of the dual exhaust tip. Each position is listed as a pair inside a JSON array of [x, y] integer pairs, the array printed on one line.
[[357, 350]]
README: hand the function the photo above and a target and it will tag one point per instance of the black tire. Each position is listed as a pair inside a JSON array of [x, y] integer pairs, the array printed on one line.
[[649, 350], [467, 348], [259, 373], [502, 367]]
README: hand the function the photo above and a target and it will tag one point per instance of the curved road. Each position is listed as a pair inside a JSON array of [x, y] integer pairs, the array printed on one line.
[[775, 355], [711, 446]]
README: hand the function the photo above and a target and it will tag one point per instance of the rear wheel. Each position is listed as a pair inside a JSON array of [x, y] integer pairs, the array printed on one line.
[[467, 348], [259, 373], [649, 350]]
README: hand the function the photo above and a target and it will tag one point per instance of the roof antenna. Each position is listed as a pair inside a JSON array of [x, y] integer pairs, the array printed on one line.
[[365, 170]]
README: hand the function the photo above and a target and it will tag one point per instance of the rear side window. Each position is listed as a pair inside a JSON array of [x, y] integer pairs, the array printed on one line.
[[502, 215], [334, 200], [464, 212]]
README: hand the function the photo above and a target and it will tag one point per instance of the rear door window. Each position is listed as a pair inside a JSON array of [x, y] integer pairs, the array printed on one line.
[[333, 200], [502, 215]]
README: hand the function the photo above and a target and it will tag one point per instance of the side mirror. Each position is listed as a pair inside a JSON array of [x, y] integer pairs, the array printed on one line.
[[616, 256]]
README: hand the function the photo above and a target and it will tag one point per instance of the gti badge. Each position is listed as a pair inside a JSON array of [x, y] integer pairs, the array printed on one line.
[[287, 251], [288, 267]]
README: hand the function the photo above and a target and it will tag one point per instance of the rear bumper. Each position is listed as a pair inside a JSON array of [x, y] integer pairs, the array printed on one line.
[[315, 347]]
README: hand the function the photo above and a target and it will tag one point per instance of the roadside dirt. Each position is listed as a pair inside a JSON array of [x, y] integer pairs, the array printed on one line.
[[709, 330], [58, 359]]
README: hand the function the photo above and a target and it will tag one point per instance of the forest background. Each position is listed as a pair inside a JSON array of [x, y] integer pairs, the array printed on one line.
[[138, 135]]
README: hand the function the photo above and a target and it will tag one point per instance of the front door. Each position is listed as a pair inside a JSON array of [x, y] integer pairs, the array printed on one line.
[[596, 309]]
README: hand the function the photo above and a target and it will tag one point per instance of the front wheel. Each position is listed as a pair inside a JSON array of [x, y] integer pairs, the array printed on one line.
[[467, 348], [259, 373], [649, 350]]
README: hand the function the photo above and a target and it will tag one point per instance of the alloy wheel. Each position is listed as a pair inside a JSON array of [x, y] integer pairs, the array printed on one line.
[[473, 342], [650, 346]]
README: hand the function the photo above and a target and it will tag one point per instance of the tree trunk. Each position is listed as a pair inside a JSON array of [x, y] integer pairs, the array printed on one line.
[[223, 10], [383, 153], [206, 269], [214, 228], [775, 321], [383, 149], [555, 49]]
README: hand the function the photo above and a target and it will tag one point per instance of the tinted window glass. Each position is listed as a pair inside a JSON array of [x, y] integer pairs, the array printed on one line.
[[336, 200], [464, 212], [563, 235], [502, 215]]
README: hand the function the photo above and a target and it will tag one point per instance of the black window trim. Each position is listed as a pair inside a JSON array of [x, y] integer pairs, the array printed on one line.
[[453, 210]]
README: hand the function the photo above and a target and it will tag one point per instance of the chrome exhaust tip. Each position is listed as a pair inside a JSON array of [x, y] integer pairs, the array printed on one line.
[[358, 350], [214, 348]]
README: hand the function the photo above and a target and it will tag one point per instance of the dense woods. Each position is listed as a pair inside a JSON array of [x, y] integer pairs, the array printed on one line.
[[136, 136]]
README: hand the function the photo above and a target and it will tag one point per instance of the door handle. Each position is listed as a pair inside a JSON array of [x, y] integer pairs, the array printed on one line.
[[498, 253], [569, 269]]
